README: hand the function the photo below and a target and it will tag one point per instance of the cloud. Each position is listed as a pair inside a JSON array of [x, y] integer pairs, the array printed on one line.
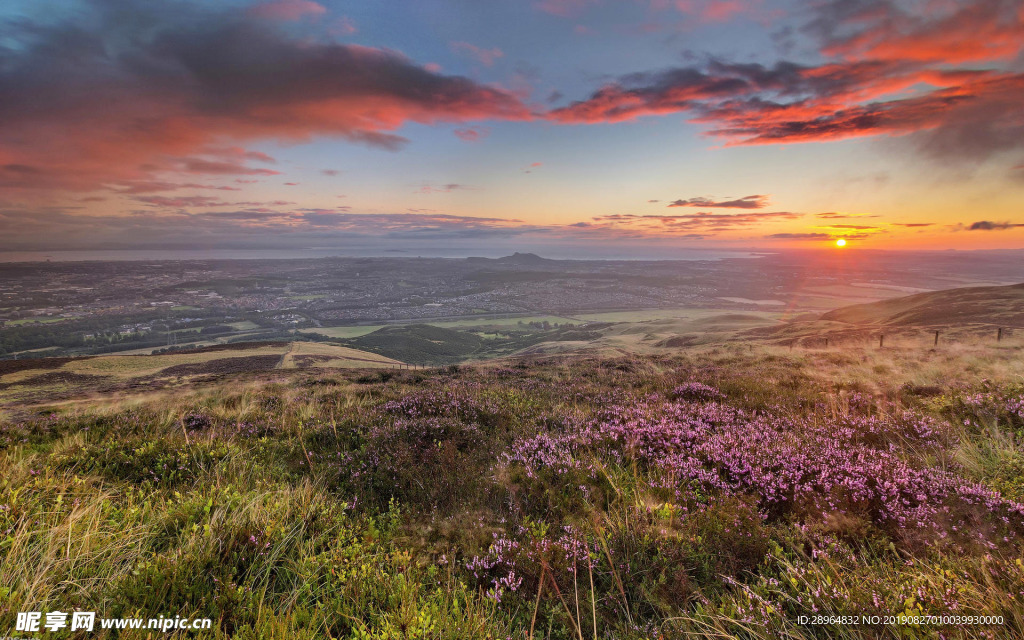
[[752, 104], [967, 31], [150, 89], [219, 168], [747, 202], [913, 224], [287, 10], [800, 236], [843, 216], [254, 226], [709, 10], [472, 134], [343, 26], [706, 223], [883, 74], [156, 186], [200, 223], [444, 188], [330, 172], [485, 57], [182, 201], [986, 225]]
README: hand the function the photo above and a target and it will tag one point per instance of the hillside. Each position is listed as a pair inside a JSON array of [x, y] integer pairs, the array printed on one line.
[[722, 492], [49, 379], [1003, 306], [423, 344], [420, 343]]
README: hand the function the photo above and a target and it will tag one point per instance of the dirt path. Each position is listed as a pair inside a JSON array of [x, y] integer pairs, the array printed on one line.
[[282, 364]]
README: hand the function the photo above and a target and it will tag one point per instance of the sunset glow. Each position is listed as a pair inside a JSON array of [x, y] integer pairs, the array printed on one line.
[[610, 126], [840, 242]]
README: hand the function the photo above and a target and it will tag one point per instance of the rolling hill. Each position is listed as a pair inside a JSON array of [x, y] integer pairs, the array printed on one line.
[[971, 305], [420, 343]]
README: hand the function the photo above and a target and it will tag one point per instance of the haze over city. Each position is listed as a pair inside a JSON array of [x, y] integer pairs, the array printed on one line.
[[571, 128]]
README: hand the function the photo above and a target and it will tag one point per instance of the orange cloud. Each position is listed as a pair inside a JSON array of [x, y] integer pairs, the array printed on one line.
[[891, 76], [971, 31], [747, 202], [702, 223]]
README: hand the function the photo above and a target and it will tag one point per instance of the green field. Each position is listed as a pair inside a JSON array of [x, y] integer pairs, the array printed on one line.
[[355, 331], [343, 332], [244, 325], [40, 320], [501, 322]]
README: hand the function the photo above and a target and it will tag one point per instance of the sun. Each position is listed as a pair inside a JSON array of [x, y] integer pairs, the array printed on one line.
[[841, 242]]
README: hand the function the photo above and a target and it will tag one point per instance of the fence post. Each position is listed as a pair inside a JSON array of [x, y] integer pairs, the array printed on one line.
[[826, 343], [936, 338], [999, 335], [881, 340]]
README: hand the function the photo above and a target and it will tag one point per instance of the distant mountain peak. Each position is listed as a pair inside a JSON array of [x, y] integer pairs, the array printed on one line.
[[515, 258], [523, 258]]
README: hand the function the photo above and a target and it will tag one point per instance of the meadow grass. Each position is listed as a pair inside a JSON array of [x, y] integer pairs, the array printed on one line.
[[720, 492]]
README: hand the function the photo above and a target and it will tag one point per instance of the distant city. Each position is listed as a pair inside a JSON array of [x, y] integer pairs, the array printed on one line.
[[77, 308]]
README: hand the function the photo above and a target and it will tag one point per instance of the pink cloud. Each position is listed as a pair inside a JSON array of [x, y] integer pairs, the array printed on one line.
[[182, 201], [221, 167]]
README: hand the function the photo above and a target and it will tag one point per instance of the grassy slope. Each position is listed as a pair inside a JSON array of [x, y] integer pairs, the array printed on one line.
[[424, 344], [988, 305], [420, 343], [30, 381], [357, 504]]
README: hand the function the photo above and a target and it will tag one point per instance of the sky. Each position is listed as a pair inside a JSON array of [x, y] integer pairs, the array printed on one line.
[[601, 125]]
